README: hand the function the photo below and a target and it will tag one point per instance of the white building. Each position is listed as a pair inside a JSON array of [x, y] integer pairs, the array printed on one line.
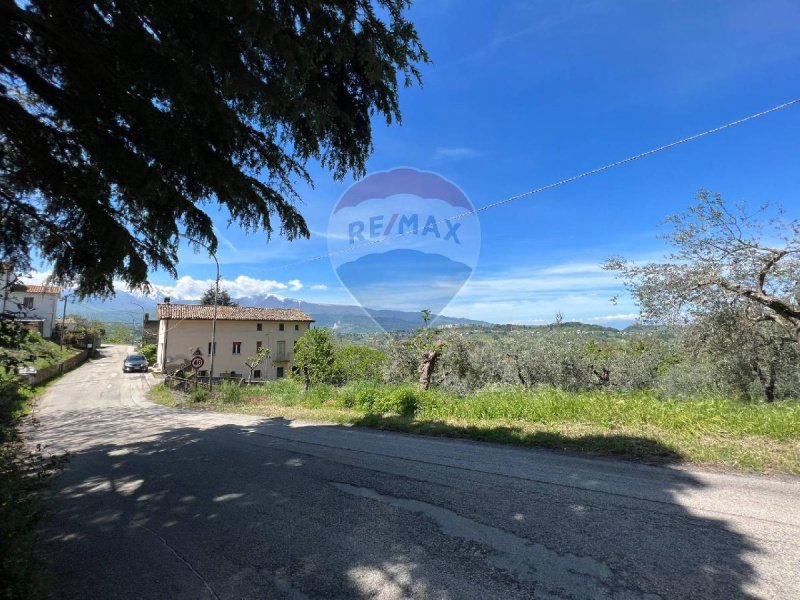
[[33, 304], [184, 331]]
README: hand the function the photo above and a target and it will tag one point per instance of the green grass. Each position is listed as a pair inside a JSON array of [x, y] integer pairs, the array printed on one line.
[[24, 475], [703, 430]]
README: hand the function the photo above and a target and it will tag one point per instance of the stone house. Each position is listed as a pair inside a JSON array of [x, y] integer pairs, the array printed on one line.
[[184, 332]]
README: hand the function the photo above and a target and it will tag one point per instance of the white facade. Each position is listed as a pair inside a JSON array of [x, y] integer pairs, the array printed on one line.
[[237, 340], [33, 302]]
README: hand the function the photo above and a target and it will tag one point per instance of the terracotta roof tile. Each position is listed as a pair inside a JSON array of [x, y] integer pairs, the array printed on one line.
[[230, 313], [36, 289]]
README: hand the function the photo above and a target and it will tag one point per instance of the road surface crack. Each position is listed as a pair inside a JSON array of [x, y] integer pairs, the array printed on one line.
[[184, 561]]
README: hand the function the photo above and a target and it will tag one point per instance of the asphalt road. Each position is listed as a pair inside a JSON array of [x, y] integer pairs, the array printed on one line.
[[159, 503]]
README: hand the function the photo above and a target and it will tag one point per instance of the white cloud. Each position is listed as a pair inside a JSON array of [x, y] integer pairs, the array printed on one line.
[[225, 241], [329, 235], [580, 290], [617, 317], [321, 287], [36, 277], [573, 268], [456, 152], [189, 288]]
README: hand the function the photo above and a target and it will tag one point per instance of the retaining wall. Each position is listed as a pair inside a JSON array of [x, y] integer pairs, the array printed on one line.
[[62, 367]]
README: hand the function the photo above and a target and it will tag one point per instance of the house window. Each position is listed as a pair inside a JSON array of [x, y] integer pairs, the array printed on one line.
[[281, 353], [280, 327], [258, 346], [203, 373], [259, 327], [297, 327], [209, 348], [237, 347], [257, 373], [279, 374], [27, 302]]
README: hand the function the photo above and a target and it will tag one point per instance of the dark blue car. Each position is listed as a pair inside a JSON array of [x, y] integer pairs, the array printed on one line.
[[135, 362]]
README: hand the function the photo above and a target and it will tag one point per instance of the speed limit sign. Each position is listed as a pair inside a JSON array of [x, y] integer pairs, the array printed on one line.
[[198, 362]]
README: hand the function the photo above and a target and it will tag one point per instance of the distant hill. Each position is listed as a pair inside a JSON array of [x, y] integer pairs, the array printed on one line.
[[342, 318]]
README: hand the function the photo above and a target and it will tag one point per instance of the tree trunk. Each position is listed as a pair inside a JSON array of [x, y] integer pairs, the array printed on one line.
[[767, 382], [426, 367], [519, 370], [603, 376]]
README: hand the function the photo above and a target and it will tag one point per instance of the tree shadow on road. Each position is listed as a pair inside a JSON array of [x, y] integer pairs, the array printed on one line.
[[625, 446], [270, 509]]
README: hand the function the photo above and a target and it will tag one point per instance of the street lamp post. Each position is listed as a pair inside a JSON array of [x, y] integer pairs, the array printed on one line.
[[213, 326], [214, 317], [63, 322], [142, 307]]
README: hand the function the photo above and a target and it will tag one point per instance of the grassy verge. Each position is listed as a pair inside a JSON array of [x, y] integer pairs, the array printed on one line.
[[703, 430], [24, 475], [46, 353]]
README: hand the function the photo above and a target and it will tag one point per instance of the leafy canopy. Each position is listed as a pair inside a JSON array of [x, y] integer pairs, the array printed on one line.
[[314, 355], [223, 298], [723, 257], [121, 121]]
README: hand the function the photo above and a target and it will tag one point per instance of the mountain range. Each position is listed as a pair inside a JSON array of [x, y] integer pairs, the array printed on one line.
[[125, 307]]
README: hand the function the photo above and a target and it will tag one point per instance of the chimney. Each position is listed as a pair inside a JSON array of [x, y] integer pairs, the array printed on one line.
[[166, 299], [146, 317]]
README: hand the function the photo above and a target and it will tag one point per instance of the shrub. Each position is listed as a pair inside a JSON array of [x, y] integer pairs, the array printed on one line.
[[401, 401], [230, 392], [149, 351], [364, 396], [314, 356], [359, 363], [285, 391], [199, 394], [320, 394], [34, 337]]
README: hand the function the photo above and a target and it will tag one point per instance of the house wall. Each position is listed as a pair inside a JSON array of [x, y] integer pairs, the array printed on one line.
[[178, 340], [45, 307], [150, 332], [7, 277]]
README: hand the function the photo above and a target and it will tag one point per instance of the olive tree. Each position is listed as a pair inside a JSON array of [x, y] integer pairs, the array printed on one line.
[[734, 276]]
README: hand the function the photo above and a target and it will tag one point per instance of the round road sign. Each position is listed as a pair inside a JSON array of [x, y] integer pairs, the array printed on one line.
[[198, 362]]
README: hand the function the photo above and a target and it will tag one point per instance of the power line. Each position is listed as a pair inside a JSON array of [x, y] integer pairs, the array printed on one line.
[[553, 185]]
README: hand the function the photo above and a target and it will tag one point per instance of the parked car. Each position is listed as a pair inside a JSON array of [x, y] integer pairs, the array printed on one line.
[[135, 362]]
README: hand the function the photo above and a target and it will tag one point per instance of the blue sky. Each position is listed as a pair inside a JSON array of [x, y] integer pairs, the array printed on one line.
[[521, 94]]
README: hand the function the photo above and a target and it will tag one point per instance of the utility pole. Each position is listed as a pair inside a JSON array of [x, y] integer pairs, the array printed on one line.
[[142, 307], [213, 326], [214, 318], [63, 321]]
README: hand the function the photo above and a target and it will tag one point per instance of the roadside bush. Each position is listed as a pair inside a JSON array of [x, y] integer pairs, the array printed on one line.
[[320, 394], [199, 394], [149, 351], [358, 363], [314, 356], [402, 401], [364, 396], [25, 473], [12, 334], [285, 391], [230, 392]]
